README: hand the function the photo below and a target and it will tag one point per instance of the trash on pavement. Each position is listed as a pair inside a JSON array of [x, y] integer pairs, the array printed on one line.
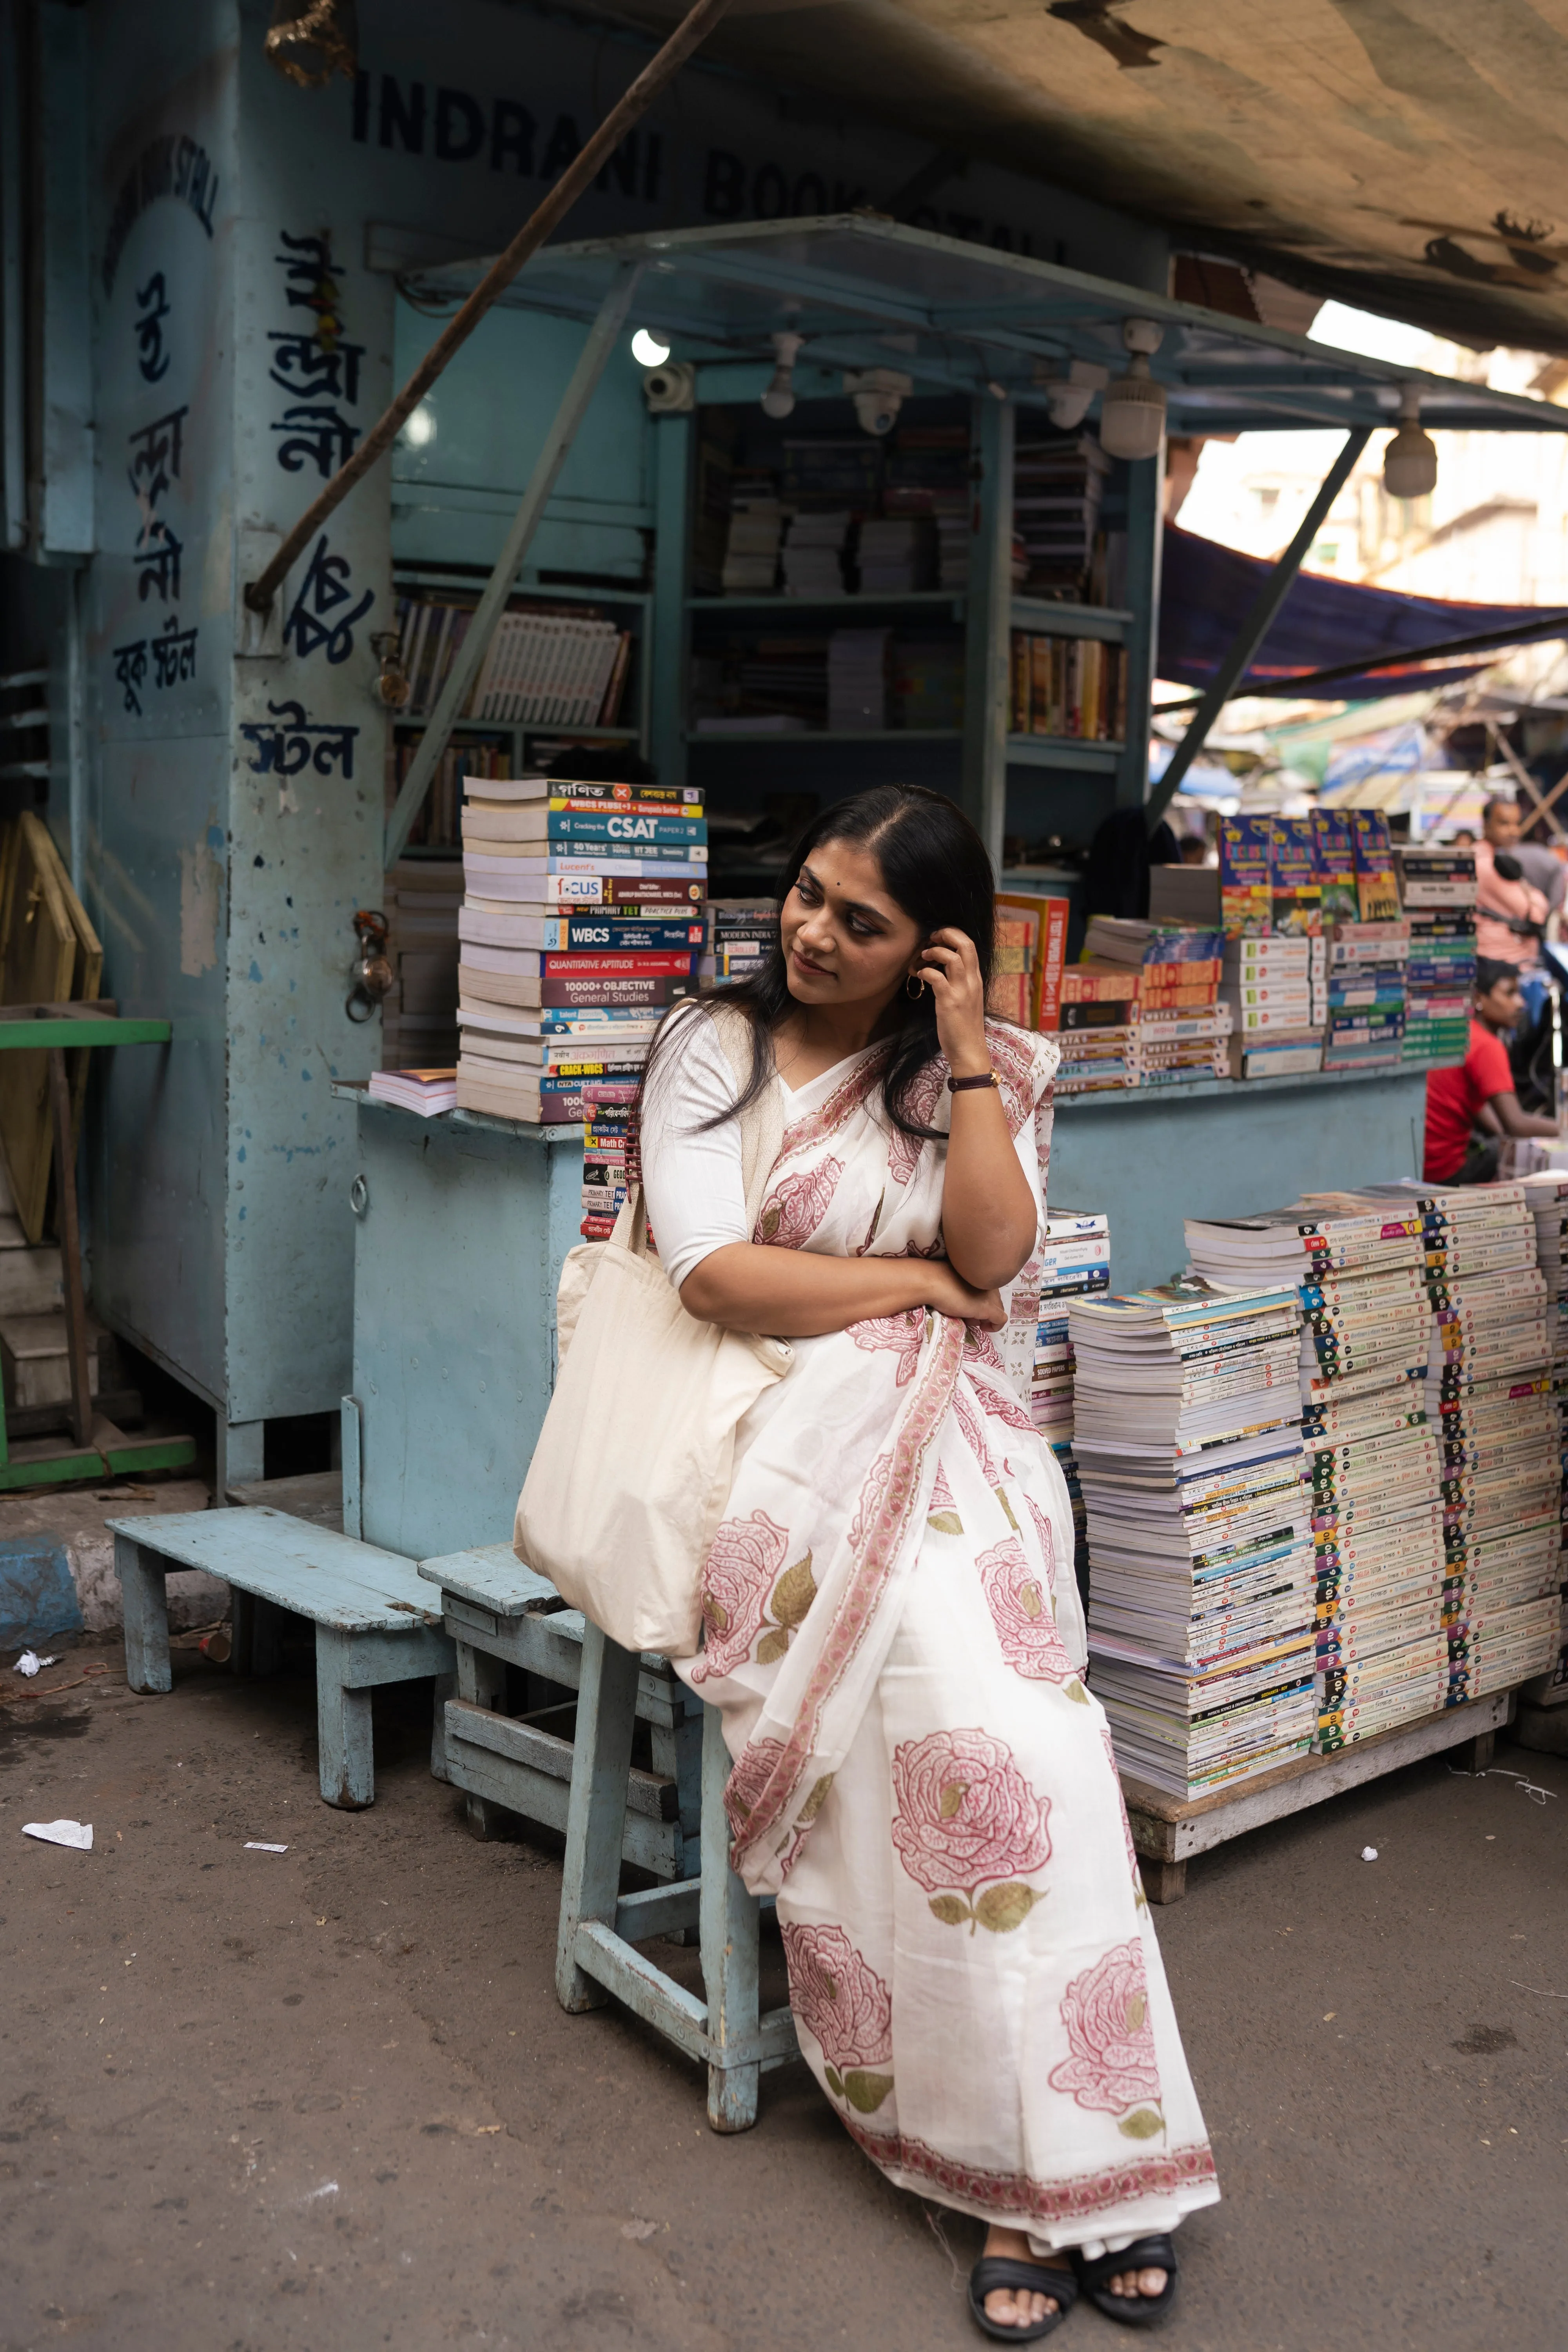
[[77, 1833]]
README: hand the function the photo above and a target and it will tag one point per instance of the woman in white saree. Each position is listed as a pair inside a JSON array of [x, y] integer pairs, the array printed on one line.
[[892, 1630]]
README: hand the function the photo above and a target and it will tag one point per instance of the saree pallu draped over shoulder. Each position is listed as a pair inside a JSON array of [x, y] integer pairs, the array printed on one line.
[[892, 1632]]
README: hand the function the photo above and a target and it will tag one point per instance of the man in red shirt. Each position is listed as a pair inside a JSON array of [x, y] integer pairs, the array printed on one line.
[[1479, 1093]]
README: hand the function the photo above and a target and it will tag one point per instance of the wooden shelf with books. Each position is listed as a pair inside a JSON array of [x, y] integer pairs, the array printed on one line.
[[778, 600]]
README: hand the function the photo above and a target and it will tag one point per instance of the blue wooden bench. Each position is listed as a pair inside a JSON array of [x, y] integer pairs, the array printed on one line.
[[498, 1613], [373, 1619]]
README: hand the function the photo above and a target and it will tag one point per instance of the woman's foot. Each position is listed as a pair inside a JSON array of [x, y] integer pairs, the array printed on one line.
[[1014, 2306], [1132, 2284]]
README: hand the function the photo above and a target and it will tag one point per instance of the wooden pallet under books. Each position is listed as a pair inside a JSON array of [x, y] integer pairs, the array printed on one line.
[[1168, 1831]]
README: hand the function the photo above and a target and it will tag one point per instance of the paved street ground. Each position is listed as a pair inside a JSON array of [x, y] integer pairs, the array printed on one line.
[[325, 2101]]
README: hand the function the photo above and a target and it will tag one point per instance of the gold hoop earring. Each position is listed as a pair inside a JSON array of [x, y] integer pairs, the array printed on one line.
[[914, 987]]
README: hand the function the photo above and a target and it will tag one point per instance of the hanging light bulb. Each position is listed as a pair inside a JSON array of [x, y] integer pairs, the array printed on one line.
[[1132, 408], [778, 400], [1410, 460], [649, 350]]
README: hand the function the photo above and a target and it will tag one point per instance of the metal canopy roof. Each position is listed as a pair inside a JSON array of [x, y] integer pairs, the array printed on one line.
[[866, 291]]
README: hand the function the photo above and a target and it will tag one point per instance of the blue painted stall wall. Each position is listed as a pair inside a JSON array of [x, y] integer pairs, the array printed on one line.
[[162, 155], [1152, 1159], [313, 372]]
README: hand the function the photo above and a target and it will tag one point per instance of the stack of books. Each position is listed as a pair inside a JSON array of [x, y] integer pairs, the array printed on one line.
[[895, 554], [583, 919], [1045, 955], [1438, 891], [781, 680], [421, 896], [1366, 1008], [926, 472], [814, 549], [426, 1093], [553, 668], [752, 551], [1295, 879], [1099, 1027], [1186, 1432], [1276, 987], [1180, 1032], [1074, 1264], [1072, 686], [1056, 485], [857, 681], [604, 1133], [1371, 1464], [1012, 990], [742, 935]]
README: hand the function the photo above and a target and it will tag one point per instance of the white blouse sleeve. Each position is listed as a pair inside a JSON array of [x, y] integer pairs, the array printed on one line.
[[692, 1180]]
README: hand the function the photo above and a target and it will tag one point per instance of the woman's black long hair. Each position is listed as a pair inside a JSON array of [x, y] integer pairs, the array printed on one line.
[[935, 866]]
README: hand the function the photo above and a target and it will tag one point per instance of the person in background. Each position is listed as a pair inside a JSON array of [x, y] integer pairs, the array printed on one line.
[[1464, 839], [1194, 849], [1470, 1107], [1543, 867], [1508, 905]]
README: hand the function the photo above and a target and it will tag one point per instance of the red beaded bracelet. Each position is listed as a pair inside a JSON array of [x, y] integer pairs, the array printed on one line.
[[961, 1085]]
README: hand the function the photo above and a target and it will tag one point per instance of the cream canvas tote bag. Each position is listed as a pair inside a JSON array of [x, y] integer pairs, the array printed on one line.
[[629, 1478]]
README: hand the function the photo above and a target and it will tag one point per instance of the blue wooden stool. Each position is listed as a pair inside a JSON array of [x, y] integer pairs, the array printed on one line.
[[597, 1952]]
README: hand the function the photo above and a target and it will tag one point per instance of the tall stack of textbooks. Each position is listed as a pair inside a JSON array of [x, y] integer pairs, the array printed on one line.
[[925, 471], [584, 918], [1275, 985], [1371, 1464], [1074, 1264], [1181, 1030], [1099, 1027], [605, 1128], [1438, 891], [1427, 1427], [1186, 1432], [1366, 1008], [1056, 485], [1011, 994], [1546, 1196]]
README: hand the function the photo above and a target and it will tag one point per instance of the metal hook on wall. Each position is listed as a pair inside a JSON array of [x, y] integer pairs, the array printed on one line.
[[370, 971]]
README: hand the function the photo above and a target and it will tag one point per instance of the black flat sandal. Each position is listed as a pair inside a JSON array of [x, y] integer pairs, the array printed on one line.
[[993, 2271], [1142, 2254]]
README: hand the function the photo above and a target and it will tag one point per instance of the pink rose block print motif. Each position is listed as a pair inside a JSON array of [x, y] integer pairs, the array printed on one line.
[[840, 2000], [903, 1333], [1113, 2069], [965, 1815], [754, 1769], [1021, 1613], [923, 1099], [792, 1214], [740, 1597]]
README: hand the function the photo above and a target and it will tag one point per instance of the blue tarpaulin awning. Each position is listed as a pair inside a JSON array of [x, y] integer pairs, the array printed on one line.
[[1206, 591]]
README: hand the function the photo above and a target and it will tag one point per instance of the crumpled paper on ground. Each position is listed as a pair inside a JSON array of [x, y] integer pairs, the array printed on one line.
[[77, 1833]]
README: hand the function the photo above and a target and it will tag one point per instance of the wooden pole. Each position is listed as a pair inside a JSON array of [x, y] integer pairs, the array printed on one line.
[[578, 174], [71, 1249]]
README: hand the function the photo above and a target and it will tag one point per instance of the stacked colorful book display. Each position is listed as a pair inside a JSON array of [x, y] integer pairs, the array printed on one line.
[[583, 919], [1275, 989], [1180, 1029], [1425, 1419], [1438, 891], [1075, 1263], [1366, 966], [1188, 1441], [742, 935], [1546, 1197]]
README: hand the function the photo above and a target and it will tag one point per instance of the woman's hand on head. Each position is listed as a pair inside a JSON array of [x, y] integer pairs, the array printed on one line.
[[951, 969], [951, 1295]]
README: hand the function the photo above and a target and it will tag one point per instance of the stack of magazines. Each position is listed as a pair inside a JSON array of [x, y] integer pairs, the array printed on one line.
[[583, 919], [1187, 1431], [1074, 1264]]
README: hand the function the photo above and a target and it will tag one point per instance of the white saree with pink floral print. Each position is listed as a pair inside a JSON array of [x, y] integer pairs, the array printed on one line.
[[892, 1632]]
